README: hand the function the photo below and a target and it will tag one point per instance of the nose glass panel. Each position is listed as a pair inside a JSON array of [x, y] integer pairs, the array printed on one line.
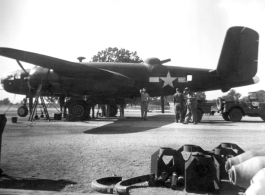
[[2, 82], [9, 77]]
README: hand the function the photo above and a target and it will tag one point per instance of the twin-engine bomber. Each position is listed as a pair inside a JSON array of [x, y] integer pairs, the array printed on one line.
[[104, 82]]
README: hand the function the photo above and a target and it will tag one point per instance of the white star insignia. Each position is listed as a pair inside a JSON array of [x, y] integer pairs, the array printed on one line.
[[168, 80]]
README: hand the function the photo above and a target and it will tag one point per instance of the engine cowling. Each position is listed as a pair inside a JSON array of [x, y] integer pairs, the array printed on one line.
[[47, 77], [153, 62]]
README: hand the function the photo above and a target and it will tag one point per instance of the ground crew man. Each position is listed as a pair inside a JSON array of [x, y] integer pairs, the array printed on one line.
[[178, 106], [121, 105], [144, 103], [191, 107]]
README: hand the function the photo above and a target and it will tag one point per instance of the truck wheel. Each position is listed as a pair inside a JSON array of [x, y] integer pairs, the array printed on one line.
[[219, 103], [199, 115], [235, 115], [226, 117], [22, 111]]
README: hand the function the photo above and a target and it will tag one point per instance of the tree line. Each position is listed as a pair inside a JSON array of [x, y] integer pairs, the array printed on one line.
[[5, 102], [232, 95]]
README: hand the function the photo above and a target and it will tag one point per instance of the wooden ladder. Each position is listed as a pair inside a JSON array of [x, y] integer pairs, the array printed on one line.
[[38, 95]]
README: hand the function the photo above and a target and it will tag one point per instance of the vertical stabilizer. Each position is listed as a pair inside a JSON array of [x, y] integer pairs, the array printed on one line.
[[239, 57]]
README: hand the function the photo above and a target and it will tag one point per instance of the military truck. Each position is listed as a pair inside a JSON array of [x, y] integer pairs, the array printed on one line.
[[235, 110], [204, 108]]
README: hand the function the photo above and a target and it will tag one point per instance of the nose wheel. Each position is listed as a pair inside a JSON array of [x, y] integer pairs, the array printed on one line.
[[22, 111]]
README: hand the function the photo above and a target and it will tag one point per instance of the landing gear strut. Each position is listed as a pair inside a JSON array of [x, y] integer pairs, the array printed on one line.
[[113, 110]]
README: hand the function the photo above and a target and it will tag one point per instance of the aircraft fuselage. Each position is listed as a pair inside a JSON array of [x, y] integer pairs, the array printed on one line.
[[161, 80]]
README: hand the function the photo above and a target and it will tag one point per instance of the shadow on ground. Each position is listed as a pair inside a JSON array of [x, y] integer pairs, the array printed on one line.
[[251, 121], [33, 183], [132, 125]]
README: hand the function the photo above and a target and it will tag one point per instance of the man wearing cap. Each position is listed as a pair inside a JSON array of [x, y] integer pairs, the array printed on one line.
[[144, 103], [191, 106], [178, 105]]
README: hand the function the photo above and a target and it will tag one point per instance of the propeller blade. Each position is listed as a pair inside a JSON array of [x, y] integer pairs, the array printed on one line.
[[165, 61], [22, 67]]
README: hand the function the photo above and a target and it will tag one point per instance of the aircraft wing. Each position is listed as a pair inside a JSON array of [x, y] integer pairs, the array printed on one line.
[[62, 67]]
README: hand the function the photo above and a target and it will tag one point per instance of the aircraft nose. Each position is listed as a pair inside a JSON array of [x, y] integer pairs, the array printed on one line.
[[6, 80], [2, 82]]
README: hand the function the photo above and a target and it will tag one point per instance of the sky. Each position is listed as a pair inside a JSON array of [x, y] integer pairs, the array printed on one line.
[[190, 32]]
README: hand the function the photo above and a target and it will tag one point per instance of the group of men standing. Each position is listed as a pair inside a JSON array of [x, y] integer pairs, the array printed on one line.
[[187, 104]]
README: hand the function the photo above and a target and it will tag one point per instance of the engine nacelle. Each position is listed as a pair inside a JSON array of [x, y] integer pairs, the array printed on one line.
[[44, 76], [153, 62]]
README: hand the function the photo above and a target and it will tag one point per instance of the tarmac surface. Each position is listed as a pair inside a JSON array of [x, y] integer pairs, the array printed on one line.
[[60, 157]]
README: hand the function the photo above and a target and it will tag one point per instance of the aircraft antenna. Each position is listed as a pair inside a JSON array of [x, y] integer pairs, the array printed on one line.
[[81, 58]]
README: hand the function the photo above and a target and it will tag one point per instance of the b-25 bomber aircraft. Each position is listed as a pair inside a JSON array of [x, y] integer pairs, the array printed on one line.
[[104, 82]]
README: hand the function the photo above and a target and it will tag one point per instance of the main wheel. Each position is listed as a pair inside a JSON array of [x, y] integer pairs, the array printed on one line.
[[235, 115], [199, 115], [226, 117], [22, 111], [78, 110]]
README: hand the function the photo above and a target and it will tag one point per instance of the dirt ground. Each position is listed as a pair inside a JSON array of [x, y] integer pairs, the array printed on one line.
[[67, 156]]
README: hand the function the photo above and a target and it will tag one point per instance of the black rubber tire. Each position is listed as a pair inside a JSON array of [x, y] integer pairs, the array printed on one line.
[[124, 186], [220, 104], [199, 115], [105, 185], [235, 115], [226, 116], [78, 111], [22, 111]]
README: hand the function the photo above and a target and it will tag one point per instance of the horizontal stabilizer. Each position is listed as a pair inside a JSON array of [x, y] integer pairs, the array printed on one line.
[[239, 57]]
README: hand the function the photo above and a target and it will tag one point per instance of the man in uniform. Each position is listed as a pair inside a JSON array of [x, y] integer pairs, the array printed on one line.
[[144, 103], [191, 106], [178, 105]]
